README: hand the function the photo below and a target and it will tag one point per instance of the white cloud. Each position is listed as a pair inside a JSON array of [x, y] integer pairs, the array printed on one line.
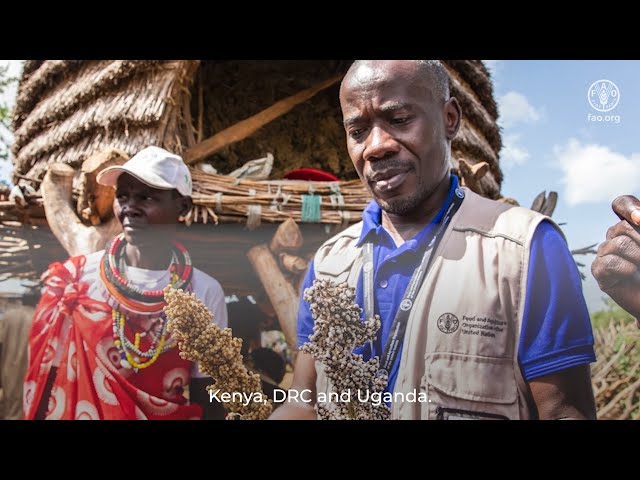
[[512, 153], [515, 108], [594, 173]]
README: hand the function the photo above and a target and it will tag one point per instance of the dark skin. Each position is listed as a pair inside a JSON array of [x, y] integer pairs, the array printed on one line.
[[617, 263], [399, 137], [149, 217], [399, 130]]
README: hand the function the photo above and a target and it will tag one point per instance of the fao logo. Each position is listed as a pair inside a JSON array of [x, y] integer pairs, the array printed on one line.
[[459, 193], [603, 95], [406, 305], [448, 323]]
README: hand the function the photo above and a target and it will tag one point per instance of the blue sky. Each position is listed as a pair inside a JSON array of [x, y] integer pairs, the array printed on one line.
[[549, 143], [14, 70]]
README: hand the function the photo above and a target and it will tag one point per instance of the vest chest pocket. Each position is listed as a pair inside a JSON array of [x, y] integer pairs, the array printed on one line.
[[338, 267], [465, 387]]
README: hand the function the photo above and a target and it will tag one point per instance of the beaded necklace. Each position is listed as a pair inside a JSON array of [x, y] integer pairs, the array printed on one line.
[[130, 353], [112, 273], [130, 295]]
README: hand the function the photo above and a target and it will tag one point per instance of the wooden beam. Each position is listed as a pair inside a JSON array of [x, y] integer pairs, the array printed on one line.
[[293, 263], [470, 175], [248, 126], [95, 202], [287, 238], [73, 235], [281, 293]]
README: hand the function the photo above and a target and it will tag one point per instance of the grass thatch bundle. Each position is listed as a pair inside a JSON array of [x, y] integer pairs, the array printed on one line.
[[270, 201], [616, 374]]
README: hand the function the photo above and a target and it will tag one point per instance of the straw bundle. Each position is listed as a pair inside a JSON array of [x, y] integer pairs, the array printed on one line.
[[227, 199], [615, 376]]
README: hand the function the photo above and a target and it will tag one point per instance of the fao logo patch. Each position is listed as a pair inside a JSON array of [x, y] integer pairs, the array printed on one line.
[[448, 323], [603, 95], [406, 305]]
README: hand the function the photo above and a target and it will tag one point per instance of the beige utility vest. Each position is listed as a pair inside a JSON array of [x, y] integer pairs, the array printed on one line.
[[460, 349]]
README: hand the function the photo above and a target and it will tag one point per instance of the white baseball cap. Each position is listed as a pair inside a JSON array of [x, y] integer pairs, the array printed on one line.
[[154, 166]]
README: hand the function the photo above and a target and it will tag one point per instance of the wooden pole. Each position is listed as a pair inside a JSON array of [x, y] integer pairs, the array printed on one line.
[[281, 293], [95, 202], [75, 237], [248, 126], [287, 238], [293, 263]]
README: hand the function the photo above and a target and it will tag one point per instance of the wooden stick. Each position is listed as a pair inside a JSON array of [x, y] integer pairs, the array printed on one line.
[[95, 201], [472, 174], [186, 117], [281, 293], [248, 126], [603, 370], [549, 204], [293, 263], [610, 406], [538, 202], [66, 226], [200, 108], [288, 237], [23, 177]]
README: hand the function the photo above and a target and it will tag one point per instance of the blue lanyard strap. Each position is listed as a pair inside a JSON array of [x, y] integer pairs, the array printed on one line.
[[399, 326]]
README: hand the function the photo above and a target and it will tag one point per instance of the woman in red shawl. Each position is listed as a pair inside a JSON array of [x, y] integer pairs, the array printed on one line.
[[99, 346]]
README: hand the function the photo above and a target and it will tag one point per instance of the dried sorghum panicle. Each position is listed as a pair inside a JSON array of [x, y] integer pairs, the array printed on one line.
[[216, 351], [337, 330]]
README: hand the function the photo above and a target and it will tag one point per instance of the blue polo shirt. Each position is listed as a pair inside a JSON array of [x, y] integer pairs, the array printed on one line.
[[556, 332]]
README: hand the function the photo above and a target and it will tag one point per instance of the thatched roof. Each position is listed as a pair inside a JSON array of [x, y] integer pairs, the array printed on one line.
[[479, 136], [68, 110]]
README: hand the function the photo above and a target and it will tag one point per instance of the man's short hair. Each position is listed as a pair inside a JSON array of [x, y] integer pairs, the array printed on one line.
[[433, 73], [436, 76]]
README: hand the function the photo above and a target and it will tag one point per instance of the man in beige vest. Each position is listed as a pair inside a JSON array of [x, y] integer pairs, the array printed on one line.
[[617, 264], [497, 327]]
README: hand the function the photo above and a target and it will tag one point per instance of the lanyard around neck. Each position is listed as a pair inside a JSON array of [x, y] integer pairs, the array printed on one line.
[[399, 327]]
